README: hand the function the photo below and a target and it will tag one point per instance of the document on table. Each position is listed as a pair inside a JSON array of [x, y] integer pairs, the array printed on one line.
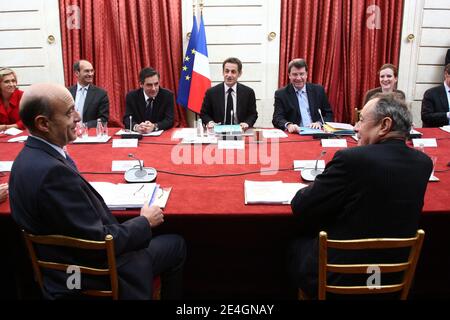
[[124, 165], [270, 192], [150, 134], [5, 166], [122, 195], [125, 143]]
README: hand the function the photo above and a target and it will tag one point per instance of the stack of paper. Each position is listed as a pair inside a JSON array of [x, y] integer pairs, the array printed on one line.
[[150, 134], [274, 192], [122, 196], [12, 132], [228, 129], [339, 128]]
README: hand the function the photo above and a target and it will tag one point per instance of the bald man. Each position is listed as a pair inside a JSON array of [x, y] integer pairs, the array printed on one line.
[[49, 196], [91, 102]]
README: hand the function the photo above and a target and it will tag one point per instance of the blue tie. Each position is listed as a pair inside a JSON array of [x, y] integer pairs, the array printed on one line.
[[71, 162], [80, 101], [304, 112]]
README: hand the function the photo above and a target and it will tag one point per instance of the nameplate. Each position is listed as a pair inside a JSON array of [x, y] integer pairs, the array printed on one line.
[[431, 142], [5, 166], [124, 165], [308, 164], [231, 144], [125, 143], [334, 143]]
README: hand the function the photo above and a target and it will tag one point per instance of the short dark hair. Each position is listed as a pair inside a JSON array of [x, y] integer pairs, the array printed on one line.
[[147, 72], [298, 63], [33, 107], [234, 61], [389, 66], [76, 66], [389, 105], [447, 69]]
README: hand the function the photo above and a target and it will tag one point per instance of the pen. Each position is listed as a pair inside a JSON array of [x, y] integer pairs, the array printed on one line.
[[138, 190]]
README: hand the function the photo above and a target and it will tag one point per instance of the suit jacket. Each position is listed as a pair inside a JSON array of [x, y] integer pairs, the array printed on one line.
[[48, 196], [286, 108], [447, 57], [213, 107], [162, 112], [96, 105], [364, 192], [369, 94], [435, 107]]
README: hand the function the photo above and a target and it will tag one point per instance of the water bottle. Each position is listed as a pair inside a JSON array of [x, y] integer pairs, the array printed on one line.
[[199, 128], [99, 128]]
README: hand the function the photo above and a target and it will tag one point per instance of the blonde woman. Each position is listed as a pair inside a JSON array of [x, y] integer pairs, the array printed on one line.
[[388, 74], [9, 100]]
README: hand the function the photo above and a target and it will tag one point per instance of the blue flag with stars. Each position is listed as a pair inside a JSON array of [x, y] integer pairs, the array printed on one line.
[[184, 85]]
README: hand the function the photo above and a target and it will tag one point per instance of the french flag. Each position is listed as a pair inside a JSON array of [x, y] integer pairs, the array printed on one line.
[[201, 80]]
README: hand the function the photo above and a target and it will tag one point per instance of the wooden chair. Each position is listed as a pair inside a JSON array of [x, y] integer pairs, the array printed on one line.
[[408, 267], [58, 240]]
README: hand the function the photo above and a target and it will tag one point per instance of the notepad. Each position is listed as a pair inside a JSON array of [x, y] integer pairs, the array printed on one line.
[[339, 128], [122, 196], [270, 192]]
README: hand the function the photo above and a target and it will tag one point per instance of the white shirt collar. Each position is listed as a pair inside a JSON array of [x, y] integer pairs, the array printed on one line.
[[54, 146], [79, 86], [227, 87], [302, 90]]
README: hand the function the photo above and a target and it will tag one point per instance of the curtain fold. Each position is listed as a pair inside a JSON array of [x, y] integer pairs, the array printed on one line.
[[344, 43], [120, 37]]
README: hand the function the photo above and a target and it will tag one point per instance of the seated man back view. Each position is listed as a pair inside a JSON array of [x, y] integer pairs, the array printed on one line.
[[375, 190], [51, 197]]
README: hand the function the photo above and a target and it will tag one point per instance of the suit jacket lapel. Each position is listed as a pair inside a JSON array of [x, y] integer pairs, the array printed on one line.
[[293, 101], [73, 91], [89, 97], [221, 97], [141, 104]]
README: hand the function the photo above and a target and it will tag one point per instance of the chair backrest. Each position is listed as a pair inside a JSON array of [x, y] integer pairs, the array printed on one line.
[[407, 267], [58, 240]]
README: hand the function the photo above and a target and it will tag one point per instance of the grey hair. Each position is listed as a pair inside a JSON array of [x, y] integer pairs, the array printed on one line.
[[388, 105]]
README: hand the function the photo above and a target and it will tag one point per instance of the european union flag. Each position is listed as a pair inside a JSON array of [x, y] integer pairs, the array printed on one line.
[[184, 85]]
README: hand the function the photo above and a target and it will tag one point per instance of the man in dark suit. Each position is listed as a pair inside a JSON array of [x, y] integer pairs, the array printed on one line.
[[230, 102], [374, 190], [150, 107], [297, 105], [51, 197], [91, 102], [436, 103]]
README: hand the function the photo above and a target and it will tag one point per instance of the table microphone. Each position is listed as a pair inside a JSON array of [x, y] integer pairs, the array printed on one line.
[[140, 174], [311, 174]]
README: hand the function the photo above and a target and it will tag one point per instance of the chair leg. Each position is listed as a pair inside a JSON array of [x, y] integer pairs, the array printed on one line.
[[302, 295]]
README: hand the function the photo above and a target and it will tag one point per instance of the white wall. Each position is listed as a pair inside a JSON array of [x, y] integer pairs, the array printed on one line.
[[422, 59]]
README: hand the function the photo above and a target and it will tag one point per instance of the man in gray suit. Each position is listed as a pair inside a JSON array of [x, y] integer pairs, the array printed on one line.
[[91, 102]]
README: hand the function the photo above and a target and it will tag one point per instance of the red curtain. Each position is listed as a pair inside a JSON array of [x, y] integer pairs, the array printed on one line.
[[120, 37], [344, 42]]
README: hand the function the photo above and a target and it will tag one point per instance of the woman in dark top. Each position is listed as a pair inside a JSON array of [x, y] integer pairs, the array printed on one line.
[[388, 81]]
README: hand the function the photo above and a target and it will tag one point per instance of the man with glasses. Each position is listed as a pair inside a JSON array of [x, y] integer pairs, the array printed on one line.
[[298, 104], [375, 190]]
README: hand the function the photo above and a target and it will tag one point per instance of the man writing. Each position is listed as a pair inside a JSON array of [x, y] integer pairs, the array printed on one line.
[[375, 190], [49, 196]]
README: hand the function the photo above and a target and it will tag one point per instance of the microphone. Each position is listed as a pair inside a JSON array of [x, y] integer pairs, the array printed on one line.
[[140, 174], [311, 174]]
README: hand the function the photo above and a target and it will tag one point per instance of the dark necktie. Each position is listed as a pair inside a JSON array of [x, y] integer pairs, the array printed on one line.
[[71, 162], [229, 106], [149, 109]]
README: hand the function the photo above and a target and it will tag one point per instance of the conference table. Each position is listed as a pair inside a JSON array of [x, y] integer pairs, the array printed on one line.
[[237, 250]]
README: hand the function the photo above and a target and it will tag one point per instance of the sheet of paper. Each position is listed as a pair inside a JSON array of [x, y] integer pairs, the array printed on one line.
[[264, 192], [184, 133], [308, 164], [125, 143], [274, 134], [121, 195], [430, 142], [446, 128], [92, 139], [231, 144], [18, 139], [5, 166], [124, 165], [12, 131], [199, 140], [334, 143]]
